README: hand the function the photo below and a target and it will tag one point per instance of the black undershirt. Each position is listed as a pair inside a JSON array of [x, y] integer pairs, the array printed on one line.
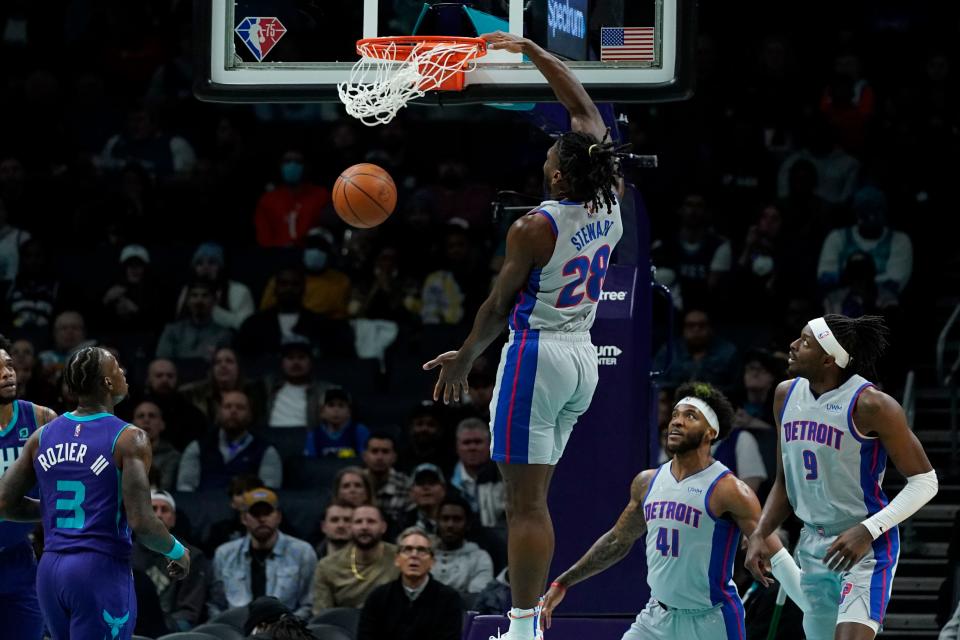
[[258, 571]]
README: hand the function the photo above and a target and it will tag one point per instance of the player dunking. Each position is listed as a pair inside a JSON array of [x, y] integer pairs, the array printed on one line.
[[692, 509], [546, 293], [91, 468], [18, 567], [836, 431]]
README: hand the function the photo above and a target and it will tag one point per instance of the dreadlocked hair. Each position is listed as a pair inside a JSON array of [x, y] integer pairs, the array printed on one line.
[[82, 372], [714, 398], [590, 167], [290, 627], [864, 338], [5, 343]]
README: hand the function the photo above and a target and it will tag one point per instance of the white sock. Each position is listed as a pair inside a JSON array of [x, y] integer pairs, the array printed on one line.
[[521, 624]]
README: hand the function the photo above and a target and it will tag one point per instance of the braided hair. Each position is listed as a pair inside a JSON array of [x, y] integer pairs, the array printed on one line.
[[83, 372], [590, 167], [864, 338], [290, 627], [714, 398]]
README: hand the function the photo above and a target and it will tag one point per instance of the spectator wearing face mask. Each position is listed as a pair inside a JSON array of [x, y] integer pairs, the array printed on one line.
[[327, 290], [891, 251], [286, 211]]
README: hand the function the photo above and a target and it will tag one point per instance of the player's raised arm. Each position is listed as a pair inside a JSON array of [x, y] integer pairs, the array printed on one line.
[[608, 550], [16, 482], [529, 243], [135, 456], [584, 115]]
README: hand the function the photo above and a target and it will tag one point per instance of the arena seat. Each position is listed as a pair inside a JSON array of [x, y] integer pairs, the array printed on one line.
[[219, 630], [357, 375], [347, 618], [329, 632], [301, 472], [203, 508], [235, 617], [385, 410], [289, 441], [191, 369], [303, 510]]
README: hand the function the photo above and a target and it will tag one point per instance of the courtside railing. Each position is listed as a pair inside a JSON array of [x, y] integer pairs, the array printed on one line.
[[948, 366]]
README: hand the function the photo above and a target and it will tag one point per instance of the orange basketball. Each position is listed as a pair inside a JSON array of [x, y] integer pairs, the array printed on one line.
[[364, 195]]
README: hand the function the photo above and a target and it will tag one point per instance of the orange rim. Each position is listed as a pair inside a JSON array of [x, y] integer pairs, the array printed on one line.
[[381, 45]]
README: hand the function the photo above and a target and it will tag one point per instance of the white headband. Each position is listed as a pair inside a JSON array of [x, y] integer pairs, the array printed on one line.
[[166, 497], [705, 409], [829, 343]]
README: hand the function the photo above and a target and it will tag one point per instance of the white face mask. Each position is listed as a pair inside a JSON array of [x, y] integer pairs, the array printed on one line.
[[314, 259], [762, 265]]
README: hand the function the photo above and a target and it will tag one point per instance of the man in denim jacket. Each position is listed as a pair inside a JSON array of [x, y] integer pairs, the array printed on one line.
[[264, 562]]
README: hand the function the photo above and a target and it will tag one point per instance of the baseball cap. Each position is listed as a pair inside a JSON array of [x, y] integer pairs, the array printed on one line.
[[427, 471], [295, 342], [426, 408], [336, 393], [258, 496], [210, 250], [135, 251], [166, 497], [264, 610]]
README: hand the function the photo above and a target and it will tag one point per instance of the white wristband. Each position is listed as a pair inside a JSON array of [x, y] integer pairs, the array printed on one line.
[[788, 574], [919, 491]]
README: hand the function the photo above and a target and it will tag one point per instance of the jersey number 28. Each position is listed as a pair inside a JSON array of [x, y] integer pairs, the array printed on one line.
[[591, 271]]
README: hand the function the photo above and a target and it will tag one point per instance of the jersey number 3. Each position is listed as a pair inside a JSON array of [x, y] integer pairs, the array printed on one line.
[[591, 271], [77, 492]]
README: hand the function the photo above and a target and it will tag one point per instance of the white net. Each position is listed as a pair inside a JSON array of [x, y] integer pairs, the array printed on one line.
[[382, 82]]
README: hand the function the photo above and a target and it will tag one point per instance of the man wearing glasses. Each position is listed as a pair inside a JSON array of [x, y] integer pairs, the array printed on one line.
[[415, 606]]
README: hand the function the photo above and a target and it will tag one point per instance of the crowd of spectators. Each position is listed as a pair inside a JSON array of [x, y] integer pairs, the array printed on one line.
[[273, 353]]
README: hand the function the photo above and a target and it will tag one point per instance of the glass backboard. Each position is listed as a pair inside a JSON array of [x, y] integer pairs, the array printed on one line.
[[298, 50]]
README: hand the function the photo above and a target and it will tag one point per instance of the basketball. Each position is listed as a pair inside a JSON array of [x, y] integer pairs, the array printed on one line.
[[364, 195]]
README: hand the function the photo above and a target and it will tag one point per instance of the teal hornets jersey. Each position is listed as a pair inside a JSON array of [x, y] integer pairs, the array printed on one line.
[[13, 437], [81, 501], [690, 551], [832, 471]]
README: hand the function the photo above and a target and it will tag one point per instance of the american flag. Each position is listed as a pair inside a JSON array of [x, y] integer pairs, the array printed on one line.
[[626, 43]]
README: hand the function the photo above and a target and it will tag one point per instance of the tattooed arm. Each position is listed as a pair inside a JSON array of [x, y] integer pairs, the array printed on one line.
[[608, 550], [612, 546]]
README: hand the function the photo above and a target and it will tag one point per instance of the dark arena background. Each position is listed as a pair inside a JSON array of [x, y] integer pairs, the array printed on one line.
[[806, 161]]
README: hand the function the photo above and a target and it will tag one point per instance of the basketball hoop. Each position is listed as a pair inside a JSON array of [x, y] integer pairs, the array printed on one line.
[[394, 70]]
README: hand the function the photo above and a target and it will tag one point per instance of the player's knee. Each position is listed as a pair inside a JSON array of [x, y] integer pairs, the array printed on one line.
[[526, 507]]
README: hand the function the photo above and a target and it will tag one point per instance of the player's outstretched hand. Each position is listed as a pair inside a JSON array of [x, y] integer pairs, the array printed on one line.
[[506, 41], [452, 382], [848, 548], [758, 559], [551, 600], [178, 569]]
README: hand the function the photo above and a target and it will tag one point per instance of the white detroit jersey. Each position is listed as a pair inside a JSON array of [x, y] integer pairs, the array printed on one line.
[[548, 369], [690, 550], [833, 472], [563, 294]]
